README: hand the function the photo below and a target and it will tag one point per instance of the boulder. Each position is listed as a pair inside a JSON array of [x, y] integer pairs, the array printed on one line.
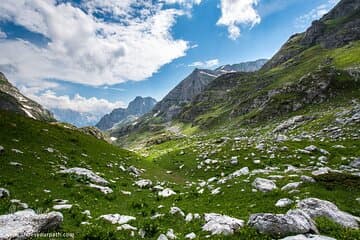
[[4, 193], [355, 163], [264, 185], [117, 218], [167, 192], [105, 190], [284, 202], [144, 183], [219, 224], [87, 173], [282, 225], [315, 207], [22, 224], [291, 186], [307, 237]]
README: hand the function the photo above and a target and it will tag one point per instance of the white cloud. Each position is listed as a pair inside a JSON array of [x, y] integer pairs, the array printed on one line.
[[2, 34], [78, 103], [205, 64], [305, 20], [86, 49], [238, 12]]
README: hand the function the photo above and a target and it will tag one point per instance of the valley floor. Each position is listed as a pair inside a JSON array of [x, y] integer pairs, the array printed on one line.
[[167, 188]]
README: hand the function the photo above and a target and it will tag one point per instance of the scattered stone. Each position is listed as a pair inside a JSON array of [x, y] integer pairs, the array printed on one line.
[[282, 225], [87, 173], [216, 191], [234, 161], [355, 163], [189, 217], [17, 151], [221, 224], [16, 164], [175, 210], [2, 149], [4, 193], [117, 218], [307, 237], [134, 171], [264, 185], [311, 148], [144, 183], [284, 202], [170, 234], [125, 192], [162, 237], [105, 190], [167, 192], [315, 207], [321, 171], [126, 227], [22, 224], [190, 236], [307, 179], [50, 150], [62, 206], [291, 186]]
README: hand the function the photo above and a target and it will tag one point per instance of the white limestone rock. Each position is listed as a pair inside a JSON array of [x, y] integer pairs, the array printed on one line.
[[291, 186], [22, 224], [4, 193], [307, 237], [87, 173], [144, 183], [284, 202], [167, 192], [219, 224], [282, 225], [264, 185], [315, 207], [105, 190], [117, 218]]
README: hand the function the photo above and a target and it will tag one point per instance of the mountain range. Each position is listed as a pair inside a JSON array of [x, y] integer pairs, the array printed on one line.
[[120, 116]]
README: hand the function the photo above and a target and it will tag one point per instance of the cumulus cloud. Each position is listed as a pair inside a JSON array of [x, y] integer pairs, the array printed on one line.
[[205, 64], [83, 47], [238, 12], [305, 20], [77, 103], [2, 34]]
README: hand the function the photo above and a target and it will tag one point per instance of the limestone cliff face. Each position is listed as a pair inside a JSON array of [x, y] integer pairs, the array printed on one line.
[[12, 100]]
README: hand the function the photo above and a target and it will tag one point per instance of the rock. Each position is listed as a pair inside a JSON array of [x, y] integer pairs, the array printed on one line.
[[170, 234], [307, 179], [219, 224], [134, 171], [162, 237], [16, 164], [264, 185], [126, 227], [87, 173], [291, 123], [167, 192], [291, 186], [105, 190], [2, 149], [4, 193], [282, 225], [311, 148], [355, 163], [234, 161], [284, 202], [307, 237], [62, 206], [190, 236], [117, 218], [22, 224], [144, 183], [175, 210], [315, 207], [216, 191], [260, 146], [189, 217], [321, 171]]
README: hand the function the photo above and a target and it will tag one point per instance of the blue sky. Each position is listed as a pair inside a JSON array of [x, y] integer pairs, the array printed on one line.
[[91, 56]]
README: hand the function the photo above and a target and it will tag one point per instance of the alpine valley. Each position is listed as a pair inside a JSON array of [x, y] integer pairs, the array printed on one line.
[[268, 149]]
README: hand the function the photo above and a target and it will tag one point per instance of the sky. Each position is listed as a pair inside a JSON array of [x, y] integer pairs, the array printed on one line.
[[92, 56]]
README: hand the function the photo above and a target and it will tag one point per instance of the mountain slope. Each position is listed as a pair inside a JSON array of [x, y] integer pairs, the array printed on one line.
[[12, 100], [138, 107]]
